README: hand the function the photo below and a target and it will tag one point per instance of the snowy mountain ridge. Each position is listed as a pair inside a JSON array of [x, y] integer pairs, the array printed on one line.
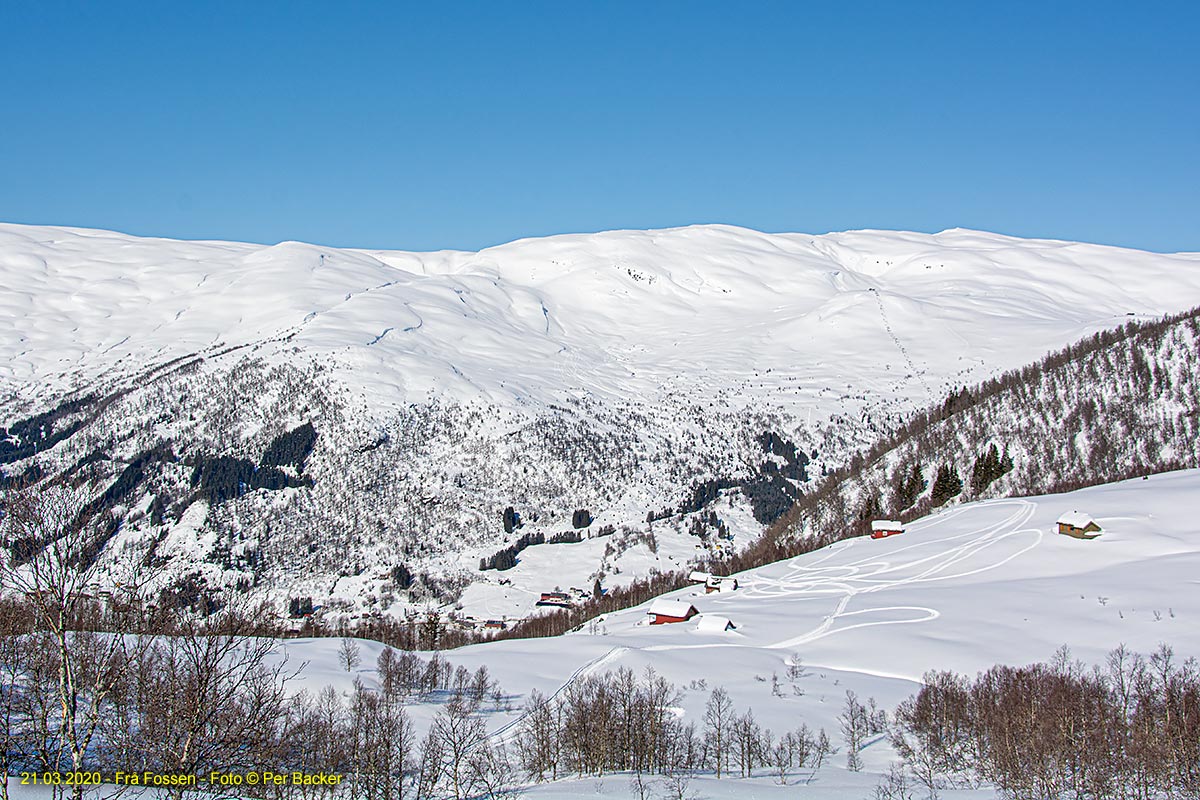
[[609, 372]]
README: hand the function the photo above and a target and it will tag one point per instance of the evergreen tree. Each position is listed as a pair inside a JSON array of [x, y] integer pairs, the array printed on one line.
[[907, 486], [989, 466], [947, 484]]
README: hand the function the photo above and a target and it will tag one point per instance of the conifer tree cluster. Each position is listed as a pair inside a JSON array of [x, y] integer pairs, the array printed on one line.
[[946, 485], [907, 486], [989, 466]]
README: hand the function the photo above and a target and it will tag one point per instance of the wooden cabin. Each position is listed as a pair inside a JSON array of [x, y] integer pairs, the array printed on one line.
[[697, 576], [1079, 525], [882, 528], [663, 611], [560, 599], [495, 625]]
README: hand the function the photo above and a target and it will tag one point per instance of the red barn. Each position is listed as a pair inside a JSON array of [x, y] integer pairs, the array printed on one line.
[[664, 611], [882, 528]]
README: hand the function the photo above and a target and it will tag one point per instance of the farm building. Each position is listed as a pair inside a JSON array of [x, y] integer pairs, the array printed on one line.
[[699, 577], [560, 599], [882, 528], [663, 611], [711, 623], [495, 625], [1079, 525], [717, 584]]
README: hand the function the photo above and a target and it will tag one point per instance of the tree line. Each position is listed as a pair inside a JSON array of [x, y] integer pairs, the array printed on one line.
[[1128, 728], [620, 722]]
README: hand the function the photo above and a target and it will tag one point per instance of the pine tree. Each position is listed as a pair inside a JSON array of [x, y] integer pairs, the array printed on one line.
[[989, 466], [946, 485], [907, 486]]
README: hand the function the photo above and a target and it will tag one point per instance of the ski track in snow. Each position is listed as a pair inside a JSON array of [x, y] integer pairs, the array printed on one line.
[[613, 655], [807, 578]]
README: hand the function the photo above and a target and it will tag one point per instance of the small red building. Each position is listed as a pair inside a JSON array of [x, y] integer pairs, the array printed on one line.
[[882, 528], [560, 599], [663, 611]]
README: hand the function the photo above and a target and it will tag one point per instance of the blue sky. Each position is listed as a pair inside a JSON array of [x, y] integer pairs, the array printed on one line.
[[468, 124]]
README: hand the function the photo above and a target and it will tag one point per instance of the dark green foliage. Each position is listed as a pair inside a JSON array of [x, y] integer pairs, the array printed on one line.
[[946, 485], [702, 523], [581, 518], [907, 486], [507, 558], [870, 508], [957, 401], [510, 519], [158, 508], [989, 466], [702, 494], [655, 516], [770, 495], [597, 590], [28, 437], [132, 476], [222, 478], [225, 477], [796, 460], [291, 448], [402, 577]]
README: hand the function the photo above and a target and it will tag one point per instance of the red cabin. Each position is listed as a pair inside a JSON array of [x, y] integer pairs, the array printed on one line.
[[665, 611], [882, 528]]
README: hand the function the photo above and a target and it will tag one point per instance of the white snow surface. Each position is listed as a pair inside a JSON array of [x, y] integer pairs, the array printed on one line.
[[618, 314], [980, 584]]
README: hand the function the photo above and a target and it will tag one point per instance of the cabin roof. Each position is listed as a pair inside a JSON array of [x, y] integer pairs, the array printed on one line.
[[887, 525], [670, 608], [712, 623], [1077, 519]]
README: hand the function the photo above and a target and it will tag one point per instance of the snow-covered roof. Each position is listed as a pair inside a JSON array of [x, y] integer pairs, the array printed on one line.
[[698, 576], [670, 608], [711, 623], [1076, 519], [887, 525]]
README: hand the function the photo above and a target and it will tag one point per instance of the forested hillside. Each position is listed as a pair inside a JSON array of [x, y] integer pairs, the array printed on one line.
[[1118, 404]]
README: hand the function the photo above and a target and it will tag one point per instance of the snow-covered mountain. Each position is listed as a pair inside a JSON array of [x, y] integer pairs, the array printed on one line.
[[612, 373]]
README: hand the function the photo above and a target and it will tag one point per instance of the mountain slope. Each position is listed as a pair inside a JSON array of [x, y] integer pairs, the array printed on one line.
[[614, 373], [962, 589]]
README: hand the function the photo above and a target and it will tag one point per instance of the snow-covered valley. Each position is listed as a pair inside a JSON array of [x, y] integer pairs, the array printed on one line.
[[981, 584]]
